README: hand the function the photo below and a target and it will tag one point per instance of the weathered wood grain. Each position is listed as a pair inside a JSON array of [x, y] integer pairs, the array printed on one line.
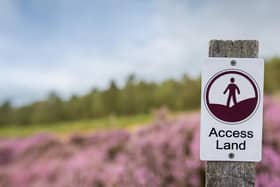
[[232, 174]]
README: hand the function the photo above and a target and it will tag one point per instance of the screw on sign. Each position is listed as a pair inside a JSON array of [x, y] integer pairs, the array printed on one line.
[[231, 109]]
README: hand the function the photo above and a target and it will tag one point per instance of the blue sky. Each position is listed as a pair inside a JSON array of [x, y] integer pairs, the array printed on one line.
[[71, 46]]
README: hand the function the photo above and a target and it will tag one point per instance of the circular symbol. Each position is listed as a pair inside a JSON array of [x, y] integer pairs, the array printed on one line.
[[231, 96]]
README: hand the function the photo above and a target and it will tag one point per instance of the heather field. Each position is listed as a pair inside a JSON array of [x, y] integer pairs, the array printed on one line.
[[165, 153]]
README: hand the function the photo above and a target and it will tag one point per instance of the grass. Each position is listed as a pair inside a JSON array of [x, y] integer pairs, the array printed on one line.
[[84, 126]]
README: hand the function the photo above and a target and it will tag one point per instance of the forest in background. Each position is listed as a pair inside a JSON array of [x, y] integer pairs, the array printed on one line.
[[135, 97]]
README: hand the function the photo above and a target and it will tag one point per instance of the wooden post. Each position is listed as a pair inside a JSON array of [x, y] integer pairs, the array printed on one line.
[[231, 174]]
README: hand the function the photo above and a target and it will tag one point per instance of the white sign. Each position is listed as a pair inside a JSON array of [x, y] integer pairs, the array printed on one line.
[[231, 109]]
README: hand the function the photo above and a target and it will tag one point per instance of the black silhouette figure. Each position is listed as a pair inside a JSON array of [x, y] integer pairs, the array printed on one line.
[[232, 88]]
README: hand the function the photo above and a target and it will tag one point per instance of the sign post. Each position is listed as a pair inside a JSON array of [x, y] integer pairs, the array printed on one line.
[[231, 113]]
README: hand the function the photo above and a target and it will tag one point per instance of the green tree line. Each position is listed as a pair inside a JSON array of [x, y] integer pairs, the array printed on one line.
[[136, 96]]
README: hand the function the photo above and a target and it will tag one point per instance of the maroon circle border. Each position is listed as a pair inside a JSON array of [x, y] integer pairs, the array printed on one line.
[[230, 71]]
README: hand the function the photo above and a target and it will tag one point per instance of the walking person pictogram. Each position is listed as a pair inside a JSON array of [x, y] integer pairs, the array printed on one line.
[[240, 96], [232, 88]]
